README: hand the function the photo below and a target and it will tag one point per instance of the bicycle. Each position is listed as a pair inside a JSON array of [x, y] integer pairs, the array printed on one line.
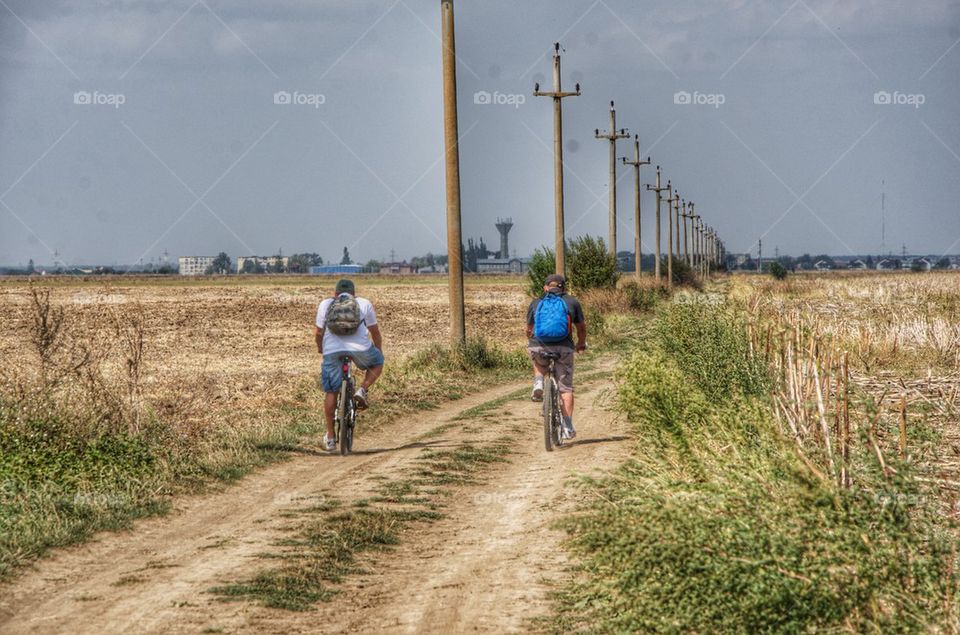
[[345, 418], [552, 415]]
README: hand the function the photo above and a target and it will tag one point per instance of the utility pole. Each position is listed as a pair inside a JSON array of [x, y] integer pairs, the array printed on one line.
[[676, 214], [670, 208], [695, 256], [669, 235], [612, 135], [702, 248], [458, 333], [760, 255], [559, 243], [686, 241], [656, 188], [637, 164]]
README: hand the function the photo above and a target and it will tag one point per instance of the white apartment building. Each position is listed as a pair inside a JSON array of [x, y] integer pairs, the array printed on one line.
[[195, 265]]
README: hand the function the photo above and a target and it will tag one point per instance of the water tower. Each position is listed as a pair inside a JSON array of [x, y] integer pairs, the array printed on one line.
[[504, 225]]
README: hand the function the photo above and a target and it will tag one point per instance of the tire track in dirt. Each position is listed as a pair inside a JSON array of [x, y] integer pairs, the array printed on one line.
[[482, 567], [490, 564]]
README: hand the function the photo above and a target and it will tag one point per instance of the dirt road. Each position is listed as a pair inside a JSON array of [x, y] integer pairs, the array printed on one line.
[[485, 566]]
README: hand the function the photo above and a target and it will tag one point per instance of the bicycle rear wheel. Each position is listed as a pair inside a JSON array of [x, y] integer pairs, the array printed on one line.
[[549, 403], [347, 413]]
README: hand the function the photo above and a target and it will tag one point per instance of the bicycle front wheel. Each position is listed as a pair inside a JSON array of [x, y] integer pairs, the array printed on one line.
[[557, 418]]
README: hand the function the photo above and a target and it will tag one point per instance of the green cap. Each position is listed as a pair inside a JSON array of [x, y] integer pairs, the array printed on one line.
[[346, 286]]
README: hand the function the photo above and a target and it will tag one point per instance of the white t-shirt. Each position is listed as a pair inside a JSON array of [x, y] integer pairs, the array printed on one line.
[[356, 343]]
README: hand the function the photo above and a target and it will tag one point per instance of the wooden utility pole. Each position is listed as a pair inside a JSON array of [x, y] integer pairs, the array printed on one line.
[[458, 334], [695, 256], [559, 243], [760, 255], [674, 210], [612, 135], [686, 240], [637, 164], [678, 202], [701, 248], [708, 237], [669, 235], [656, 188]]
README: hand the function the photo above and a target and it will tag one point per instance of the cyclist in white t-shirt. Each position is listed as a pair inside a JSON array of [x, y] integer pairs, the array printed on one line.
[[359, 339]]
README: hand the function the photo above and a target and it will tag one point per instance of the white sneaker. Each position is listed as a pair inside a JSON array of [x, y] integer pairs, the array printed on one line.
[[568, 431], [360, 398], [330, 443], [537, 394]]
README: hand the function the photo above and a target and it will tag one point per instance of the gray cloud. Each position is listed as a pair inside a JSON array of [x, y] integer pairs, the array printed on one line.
[[200, 98]]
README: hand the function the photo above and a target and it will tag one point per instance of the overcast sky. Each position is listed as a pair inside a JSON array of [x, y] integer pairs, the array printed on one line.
[[187, 151]]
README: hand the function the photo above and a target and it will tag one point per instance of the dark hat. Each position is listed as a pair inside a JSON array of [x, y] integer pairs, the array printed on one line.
[[555, 278], [346, 286]]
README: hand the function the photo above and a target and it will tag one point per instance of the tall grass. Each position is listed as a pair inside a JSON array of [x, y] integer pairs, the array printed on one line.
[[717, 524]]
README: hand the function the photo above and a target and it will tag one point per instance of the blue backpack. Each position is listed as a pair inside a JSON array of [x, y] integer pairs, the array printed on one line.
[[551, 322]]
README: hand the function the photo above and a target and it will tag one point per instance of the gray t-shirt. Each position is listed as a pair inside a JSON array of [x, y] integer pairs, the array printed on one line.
[[576, 317]]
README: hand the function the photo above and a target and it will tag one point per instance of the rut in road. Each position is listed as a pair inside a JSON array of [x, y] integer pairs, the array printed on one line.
[[486, 565]]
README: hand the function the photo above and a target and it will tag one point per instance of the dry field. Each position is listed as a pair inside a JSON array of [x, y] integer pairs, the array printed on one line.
[[876, 348], [250, 343]]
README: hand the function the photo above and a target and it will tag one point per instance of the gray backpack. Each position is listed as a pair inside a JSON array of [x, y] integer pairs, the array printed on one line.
[[343, 315]]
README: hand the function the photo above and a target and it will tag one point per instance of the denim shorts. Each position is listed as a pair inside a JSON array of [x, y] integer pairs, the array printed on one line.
[[331, 375]]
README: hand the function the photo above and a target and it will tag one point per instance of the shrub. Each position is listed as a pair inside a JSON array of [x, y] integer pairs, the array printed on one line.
[[590, 266], [778, 271], [684, 275], [541, 265], [641, 298]]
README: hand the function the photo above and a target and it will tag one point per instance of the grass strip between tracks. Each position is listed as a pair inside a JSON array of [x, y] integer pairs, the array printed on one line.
[[327, 547]]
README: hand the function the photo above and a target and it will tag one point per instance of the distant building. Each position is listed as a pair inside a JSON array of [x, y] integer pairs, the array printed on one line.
[[264, 262], [858, 264], [502, 265], [336, 269], [886, 264], [823, 265], [433, 269], [397, 269], [195, 265]]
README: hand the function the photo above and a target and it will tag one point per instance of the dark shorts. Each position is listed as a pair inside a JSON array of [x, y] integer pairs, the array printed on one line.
[[331, 375], [562, 367]]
